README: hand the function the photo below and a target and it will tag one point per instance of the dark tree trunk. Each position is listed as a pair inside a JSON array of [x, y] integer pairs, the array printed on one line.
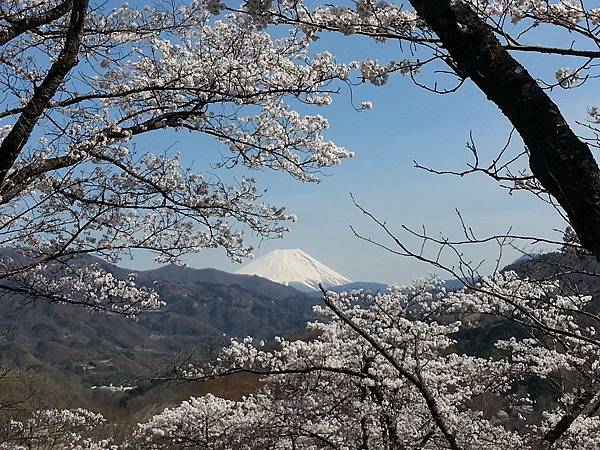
[[562, 163]]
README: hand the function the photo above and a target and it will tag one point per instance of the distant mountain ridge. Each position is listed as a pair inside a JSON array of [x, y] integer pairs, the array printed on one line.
[[204, 309], [177, 274], [294, 267]]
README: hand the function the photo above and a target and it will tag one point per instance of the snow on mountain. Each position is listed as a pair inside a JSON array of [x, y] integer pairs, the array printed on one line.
[[293, 267]]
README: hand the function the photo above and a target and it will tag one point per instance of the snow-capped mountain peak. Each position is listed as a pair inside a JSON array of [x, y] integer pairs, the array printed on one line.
[[295, 268]]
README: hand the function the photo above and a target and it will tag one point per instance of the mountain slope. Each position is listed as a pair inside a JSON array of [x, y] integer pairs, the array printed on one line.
[[187, 275], [204, 309], [293, 267]]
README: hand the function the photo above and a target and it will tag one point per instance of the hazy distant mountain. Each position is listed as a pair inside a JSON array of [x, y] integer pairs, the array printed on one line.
[[293, 267], [453, 285], [366, 286], [187, 275], [204, 309], [381, 288]]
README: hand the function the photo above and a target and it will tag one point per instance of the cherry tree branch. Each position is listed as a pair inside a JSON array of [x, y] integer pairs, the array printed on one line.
[[562, 163], [16, 139], [20, 26]]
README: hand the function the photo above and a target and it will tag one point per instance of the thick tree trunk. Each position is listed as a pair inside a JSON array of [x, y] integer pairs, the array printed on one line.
[[562, 163]]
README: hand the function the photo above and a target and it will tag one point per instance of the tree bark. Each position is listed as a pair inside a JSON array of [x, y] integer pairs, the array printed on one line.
[[562, 163], [15, 140]]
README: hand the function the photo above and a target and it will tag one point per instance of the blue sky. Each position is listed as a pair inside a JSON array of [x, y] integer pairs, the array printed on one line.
[[407, 123]]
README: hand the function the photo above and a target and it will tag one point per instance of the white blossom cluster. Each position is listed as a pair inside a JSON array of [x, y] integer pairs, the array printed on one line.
[[387, 371], [382, 19], [567, 77], [562, 12], [399, 379], [512, 21], [378, 75], [207, 422], [88, 285], [87, 184], [199, 73], [46, 429], [373, 18]]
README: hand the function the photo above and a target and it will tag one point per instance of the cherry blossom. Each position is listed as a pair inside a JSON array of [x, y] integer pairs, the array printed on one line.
[[81, 181]]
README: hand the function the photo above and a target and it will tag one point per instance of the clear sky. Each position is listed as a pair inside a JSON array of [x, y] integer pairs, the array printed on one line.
[[407, 123]]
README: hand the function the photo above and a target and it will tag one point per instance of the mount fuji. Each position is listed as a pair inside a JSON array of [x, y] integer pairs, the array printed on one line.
[[295, 268]]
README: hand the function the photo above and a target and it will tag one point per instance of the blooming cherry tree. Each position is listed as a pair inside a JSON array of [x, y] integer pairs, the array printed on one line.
[[385, 372], [83, 83], [53, 429]]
